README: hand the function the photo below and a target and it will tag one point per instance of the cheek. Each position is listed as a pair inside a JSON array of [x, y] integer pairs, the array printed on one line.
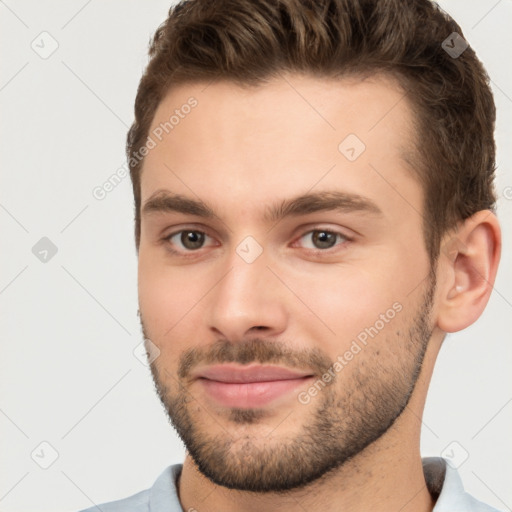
[[167, 304], [167, 296], [348, 299], [370, 326]]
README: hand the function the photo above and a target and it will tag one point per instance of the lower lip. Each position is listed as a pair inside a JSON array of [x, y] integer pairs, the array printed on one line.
[[250, 394]]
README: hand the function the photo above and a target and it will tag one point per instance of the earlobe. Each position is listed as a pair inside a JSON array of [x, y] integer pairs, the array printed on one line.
[[468, 266]]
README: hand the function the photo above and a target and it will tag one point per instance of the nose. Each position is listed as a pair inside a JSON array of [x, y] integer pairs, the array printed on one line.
[[247, 301]]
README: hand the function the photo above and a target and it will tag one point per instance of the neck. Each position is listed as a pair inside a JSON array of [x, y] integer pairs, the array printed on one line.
[[390, 483]]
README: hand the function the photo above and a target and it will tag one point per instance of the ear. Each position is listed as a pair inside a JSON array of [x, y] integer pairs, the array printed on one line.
[[467, 270]]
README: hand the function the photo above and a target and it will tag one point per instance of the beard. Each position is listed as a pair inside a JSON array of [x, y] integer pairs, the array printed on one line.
[[348, 415]]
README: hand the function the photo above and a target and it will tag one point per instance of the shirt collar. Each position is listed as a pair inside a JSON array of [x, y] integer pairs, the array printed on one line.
[[442, 480], [163, 496], [445, 485]]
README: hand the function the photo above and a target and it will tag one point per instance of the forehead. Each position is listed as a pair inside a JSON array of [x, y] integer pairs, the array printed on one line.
[[221, 141]]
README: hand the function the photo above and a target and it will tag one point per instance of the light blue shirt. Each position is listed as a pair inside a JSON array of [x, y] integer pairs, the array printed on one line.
[[441, 480]]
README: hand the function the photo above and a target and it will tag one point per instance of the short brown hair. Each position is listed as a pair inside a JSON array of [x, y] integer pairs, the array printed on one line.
[[251, 41]]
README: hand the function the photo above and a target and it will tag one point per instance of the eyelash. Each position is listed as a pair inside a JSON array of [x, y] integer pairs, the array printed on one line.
[[188, 253]]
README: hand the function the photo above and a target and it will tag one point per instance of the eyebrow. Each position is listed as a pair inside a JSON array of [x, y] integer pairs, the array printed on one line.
[[165, 201]]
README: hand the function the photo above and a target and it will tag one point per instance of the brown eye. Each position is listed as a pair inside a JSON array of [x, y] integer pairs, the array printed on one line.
[[192, 239], [323, 239], [187, 240]]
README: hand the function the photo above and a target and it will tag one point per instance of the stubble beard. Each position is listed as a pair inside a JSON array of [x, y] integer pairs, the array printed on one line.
[[345, 418]]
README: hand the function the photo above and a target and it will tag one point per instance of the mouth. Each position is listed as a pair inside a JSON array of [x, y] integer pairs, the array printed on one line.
[[249, 387]]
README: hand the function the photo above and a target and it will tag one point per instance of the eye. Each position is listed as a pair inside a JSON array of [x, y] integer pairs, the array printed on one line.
[[188, 239], [322, 239]]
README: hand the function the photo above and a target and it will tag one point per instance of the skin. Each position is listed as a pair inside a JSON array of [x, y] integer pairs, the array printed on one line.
[[241, 151]]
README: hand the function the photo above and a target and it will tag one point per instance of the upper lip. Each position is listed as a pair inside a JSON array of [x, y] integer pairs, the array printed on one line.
[[259, 373]]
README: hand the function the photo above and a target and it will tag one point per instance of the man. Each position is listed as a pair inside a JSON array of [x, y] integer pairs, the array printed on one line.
[[314, 206]]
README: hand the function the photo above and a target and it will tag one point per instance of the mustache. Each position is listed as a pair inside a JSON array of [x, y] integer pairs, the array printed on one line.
[[254, 350]]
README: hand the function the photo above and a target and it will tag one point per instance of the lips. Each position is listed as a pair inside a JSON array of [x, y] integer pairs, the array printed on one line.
[[235, 374], [249, 387]]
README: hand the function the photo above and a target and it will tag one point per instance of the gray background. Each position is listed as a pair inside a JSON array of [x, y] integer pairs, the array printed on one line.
[[68, 374]]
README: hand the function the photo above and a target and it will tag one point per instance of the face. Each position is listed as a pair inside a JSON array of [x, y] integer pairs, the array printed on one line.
[[283, 276]]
